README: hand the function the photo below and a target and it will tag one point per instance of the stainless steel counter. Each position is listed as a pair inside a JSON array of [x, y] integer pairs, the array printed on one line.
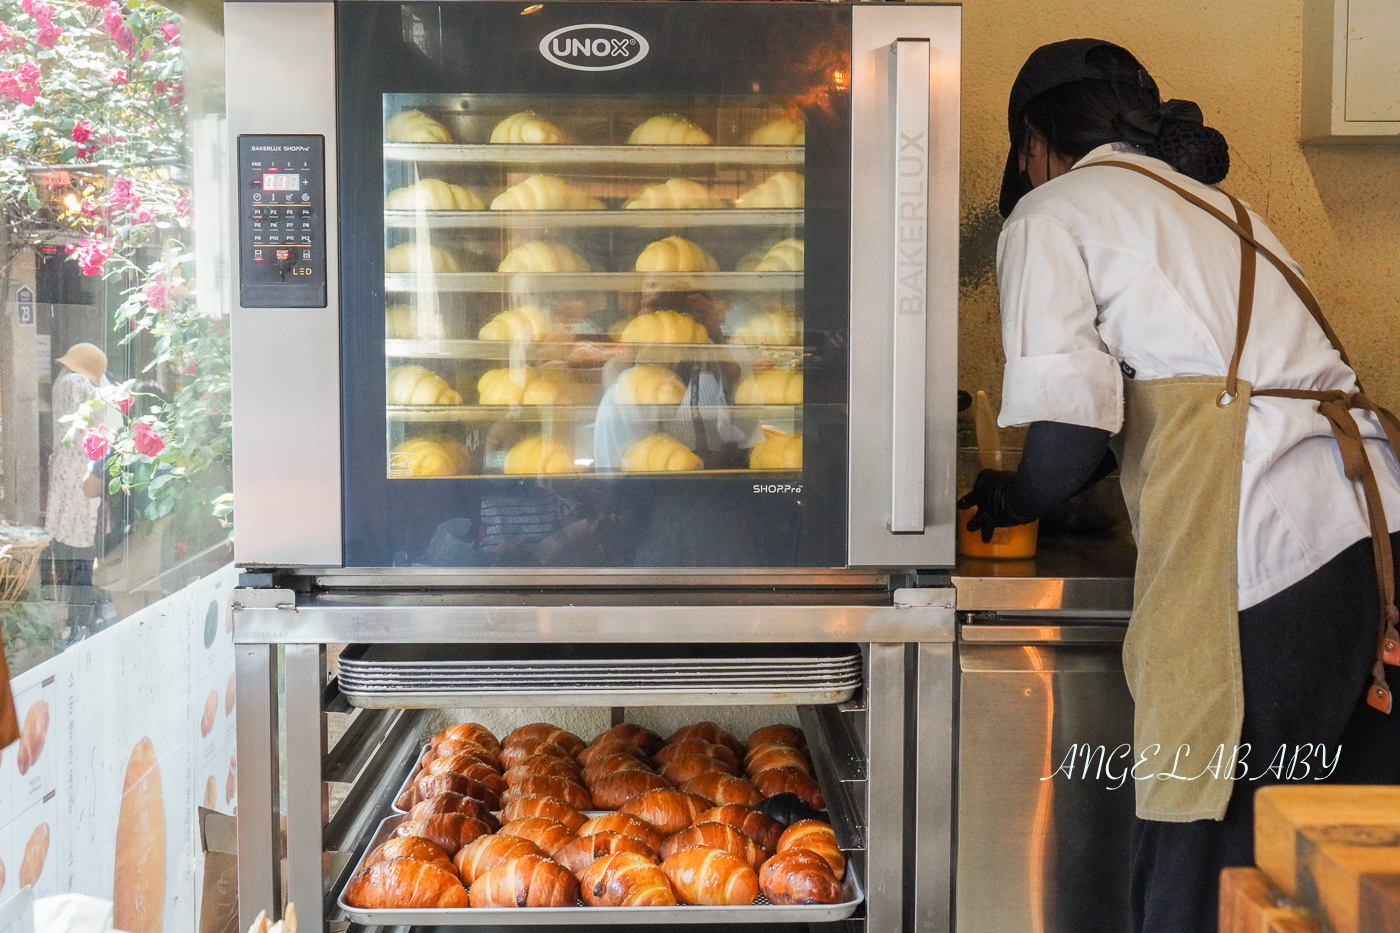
[[1085, 575]]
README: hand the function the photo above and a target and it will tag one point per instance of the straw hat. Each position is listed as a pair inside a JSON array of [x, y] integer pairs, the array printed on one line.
[[86, 359]]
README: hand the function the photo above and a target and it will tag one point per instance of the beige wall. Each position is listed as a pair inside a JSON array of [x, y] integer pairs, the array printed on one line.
[[1336, 207]]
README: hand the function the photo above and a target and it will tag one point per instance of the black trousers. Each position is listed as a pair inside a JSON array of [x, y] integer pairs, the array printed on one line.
[[1306, 655]]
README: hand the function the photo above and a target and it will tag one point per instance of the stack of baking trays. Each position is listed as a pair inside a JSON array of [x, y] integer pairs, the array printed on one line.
[[540, 827]]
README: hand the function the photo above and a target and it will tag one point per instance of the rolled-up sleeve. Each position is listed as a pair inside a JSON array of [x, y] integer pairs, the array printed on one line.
[[1057, 368]]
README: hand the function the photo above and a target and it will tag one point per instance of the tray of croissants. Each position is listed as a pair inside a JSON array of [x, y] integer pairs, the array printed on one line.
[[543, 827]]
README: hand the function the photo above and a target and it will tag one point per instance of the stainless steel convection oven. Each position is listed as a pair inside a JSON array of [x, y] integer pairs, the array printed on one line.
[[596, 358]]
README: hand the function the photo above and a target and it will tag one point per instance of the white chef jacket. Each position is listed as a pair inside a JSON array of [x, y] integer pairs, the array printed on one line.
[[1107, 275]]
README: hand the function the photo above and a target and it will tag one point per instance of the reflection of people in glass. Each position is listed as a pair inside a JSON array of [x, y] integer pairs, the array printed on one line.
[[69, 515]]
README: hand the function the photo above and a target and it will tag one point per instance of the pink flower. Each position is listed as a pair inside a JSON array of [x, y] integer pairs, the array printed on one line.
[[27, 6], [28, 94], [160, 87], [96, 4], [82, 131], [157, 293], [49, 34], [96, 440], [112, 19], [120, 195], [10, 39], [190, 370], [124, 38], [182, 204], [91, 255], [29, 73], [83, 154], [171, 32], [9, 85], [115, 75], [146, 440], [144, 216]]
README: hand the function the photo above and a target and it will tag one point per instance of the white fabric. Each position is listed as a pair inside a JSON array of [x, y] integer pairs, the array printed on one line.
[[69, 515], [1101, 267], [73, 913]]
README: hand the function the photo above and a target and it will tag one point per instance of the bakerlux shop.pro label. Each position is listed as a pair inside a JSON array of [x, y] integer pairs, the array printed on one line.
[[594, 47]]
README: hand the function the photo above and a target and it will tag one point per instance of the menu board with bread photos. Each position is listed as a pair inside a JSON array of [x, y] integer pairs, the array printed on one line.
[[602, 287]]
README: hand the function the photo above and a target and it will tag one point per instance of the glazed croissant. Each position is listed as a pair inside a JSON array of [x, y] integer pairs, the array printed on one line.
[[517, 387], [720, 788], [784, 131], [797, 876], [710, 876], [464, 756], [528, 881], [778, 450], [473, 732], [550, 785], [477, 770], [415, 126], [519, 325], [764, 757], [715, 836], [486, 852], [414, 847], [676, 194], [771, 387], [624, 824], [675, 254], [683, 768], [431, 785], [527, 127], [816, 837], [774, 328], [418, 385], [433, 194], [553, 808], [645, 384], [613, 790], [419, 257], [667, 129], [545, 193], [790, 781], [670, 811], [583, 851], [543, 256], [405, 883], [762, 829], [448, 747], [549, 835], [452, 803], [777, 734], [528, 748], [639, 736], [779, 190], [544, 732], [664, 327], [625, 879], [697, 747], [710, 732], [610, 747], [612, 764], [541, 764], [433, 456], [784, 256], [660, 453]]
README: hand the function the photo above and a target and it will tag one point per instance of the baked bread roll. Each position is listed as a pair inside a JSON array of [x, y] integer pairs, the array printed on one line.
[[777, 734], [549, 835], [817, 837], [550, 785], [762, 829], [405, 884], [398, 322], [784, 256], [668, 810], [432, 456], [612, 764], [784, 131], [473, 732], [452, 803], [710, 876], [774, 328], [543, 256], [667, 129], [625, 879], [139, 880], [763, 757], [545, 193], [554, 808], [660, 453], [527, 127], [528, 881], [779, 450], [720, 788], [770, 387], [537, 455], [415, 847], [609, 747], [710, 732], [419, 257], [461, 755], [433, 194], [697, 747], [613, 790], [639, 736], [518, 325], [418, 385], [790, 781], [583, 851], [431, 785], [528, 748], [415, 126], [676, 194], [544, 732], [486, 852], [675, 254], [779, 190], [542, 764], [449, 747], [798, 876], [683, 768], [625, 824], [645, 384], [518, 386], [447, 831], [714, 836], [664, 327]]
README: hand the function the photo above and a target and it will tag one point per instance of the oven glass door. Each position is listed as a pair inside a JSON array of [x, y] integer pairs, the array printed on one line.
[[595, 284]]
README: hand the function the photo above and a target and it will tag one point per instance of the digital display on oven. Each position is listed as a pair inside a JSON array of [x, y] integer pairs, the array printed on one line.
[[281, 182]]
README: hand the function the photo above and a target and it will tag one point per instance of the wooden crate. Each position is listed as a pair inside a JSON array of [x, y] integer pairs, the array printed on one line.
[[1249, 903]]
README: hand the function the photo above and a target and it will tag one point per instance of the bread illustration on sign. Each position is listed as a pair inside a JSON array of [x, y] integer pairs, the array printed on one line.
[[784, 256], [430, 456], [211, 711], [667, 129], [779, 190], [676, 194], [660, 453], [138, 888], [664, 327], [538, 454], [771, 328], [415, 126], [211, 793], [784, 131], [545, 193], [519, 325], [779, 450], [433, 194], [412, 384], [528, 128], [419, 257], [646, 384], [675, 254], [542, 256], [518, 386], [229, 695], [771, 387], [32, 735], [36, 852]]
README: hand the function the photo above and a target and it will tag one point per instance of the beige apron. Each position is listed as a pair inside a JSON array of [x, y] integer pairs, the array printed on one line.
[[1182, 653]]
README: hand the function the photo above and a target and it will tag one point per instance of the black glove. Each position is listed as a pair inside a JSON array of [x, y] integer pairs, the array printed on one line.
[[991, 496]]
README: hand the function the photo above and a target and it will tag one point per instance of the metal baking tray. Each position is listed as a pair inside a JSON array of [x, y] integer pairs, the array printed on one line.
[[560, 282], [760, 911], [520, 154], [640, 657], [491, 413], [630, 219], [563, 350]]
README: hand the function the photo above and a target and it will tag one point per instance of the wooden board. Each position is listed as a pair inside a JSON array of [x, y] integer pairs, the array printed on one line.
[[1249, 903]]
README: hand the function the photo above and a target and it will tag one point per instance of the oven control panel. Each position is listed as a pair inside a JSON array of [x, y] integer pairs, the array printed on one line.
[[282, 221]]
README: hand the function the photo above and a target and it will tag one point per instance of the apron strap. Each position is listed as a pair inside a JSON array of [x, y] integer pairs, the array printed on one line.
[[1249, 262]]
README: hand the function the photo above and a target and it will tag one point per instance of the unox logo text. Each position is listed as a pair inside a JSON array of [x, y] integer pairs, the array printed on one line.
[[594, 47]]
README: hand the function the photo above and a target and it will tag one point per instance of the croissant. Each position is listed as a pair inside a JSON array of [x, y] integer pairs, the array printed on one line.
[[517, 386], [537, 455], [487, 756], [668, 810], [433, 194], [602, 749], [418, 385], [660, 453], [817, 837], [398, 322], [528, 748], [520, 325], [772, 328], [479, 772], [625, 879], [797, 876], [415, 847], [779, 450], [579, 854], [432, 455], [549, 835], [541, 764], [664, 327], [415, 126], [624, 824], [553, 808], [527, 127], [486, 852], [765, 757], [784, 131], [612, 764], [791, 781], [431, 785], [639, 736], [780, 190], [543, 256], [784, 256], [676, 194], [714, 836], [452, 803], [681, 769], [405, 883], [710, 876], [720, 788], [710, 732], [645, 384], [675, 254], [550, 785], [613, 790], [697, 747], [462, 761], [448, 831], [419, 257], [545, 732], [762, 829], [473, 732], [544, 193], [667, 129], [528, 881]]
